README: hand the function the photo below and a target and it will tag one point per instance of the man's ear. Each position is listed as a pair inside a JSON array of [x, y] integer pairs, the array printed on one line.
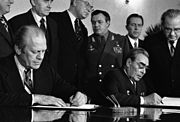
[[17, 50], [128, 62], [126, 27], [32, 2], [74, 3]]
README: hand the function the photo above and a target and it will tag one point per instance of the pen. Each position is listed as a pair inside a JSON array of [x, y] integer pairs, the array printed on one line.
[[115, 100], [107, 97]]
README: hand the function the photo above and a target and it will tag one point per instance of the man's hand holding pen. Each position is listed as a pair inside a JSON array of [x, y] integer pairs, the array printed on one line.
[[78, 99], [113, 100], [153, 99]]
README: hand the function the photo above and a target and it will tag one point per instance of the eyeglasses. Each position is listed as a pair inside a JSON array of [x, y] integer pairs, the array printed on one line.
[[141, 65], [169, 30]]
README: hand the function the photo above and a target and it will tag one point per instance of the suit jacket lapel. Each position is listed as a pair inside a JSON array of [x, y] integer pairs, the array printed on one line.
[[130, 85], [13, 77], [71, 30], [129, 43], [5, 34], [31, 20]]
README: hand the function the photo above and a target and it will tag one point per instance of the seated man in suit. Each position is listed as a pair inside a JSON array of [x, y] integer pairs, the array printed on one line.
[[27, 79], [127, 85]]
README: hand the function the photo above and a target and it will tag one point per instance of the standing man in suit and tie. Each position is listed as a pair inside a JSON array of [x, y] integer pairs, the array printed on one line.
[[134, 24], [127, 83], [38, 15], [73, 39], [164, 50], [105, 52], [44, 86], [6, 38]]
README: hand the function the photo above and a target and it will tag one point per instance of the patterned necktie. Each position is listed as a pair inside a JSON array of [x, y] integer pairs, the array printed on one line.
[[42, 25], [135, 45], [78, 30], [4, 23], [27, 80], [172, 48], [135, 85]]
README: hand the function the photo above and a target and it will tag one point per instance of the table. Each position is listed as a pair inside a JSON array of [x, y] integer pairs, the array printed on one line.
[[102, 114]]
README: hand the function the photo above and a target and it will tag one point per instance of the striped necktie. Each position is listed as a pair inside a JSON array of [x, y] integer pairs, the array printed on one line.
[[172, 48], [78, 30], [27, 80], [2, 19]]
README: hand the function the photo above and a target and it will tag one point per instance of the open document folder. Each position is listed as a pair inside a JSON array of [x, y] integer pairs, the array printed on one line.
[[82, 107]]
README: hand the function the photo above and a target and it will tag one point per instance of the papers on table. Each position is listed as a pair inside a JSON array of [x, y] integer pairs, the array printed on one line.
[[171, 101], [82, 107]]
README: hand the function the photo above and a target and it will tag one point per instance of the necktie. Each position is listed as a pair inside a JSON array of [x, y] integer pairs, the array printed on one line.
[[135, 45], [134, 85], [42, 25], [27, 80], [78, 30], [4, 23], [172, 48]]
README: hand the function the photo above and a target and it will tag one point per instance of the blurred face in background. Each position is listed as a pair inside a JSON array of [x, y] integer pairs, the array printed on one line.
[[42, 7], [172, 28], [5, 6], [99, 24], [82, 8], [134, 27]]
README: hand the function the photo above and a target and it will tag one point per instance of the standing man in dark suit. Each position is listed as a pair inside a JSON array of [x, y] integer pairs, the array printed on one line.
[[126, 83], [38, 15], [25, 80], [164, 50], [134, 24], [105, 51], [73, 41], [6, 38]]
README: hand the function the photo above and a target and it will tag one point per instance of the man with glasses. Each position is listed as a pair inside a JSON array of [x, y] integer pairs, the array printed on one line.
[[127, 84], [73, 39], [164, 50]]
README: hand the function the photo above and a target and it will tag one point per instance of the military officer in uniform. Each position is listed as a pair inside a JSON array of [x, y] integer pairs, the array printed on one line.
[[105, 52]]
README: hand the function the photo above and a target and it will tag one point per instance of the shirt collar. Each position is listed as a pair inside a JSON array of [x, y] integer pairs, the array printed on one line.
[[72, 17], [20, 67], [37, 17], [133, 41], [174, 44]]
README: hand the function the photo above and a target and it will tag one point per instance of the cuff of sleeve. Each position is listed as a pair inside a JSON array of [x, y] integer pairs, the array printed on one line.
[[141, 100], [32, 99]]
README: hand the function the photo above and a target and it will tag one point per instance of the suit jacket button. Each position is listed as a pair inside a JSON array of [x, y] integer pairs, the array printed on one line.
[[100, 80], [112, 66], [100, 65], [100, 73]]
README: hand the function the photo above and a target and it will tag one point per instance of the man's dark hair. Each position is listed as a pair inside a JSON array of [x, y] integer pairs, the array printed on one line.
[[171, 13], [96, 12], [132, 54], [134, 15]]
